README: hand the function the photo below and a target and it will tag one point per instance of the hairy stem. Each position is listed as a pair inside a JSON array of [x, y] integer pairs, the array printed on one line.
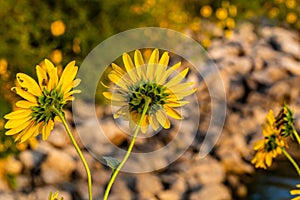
[[63, 119], [291, 160], [116, 171]]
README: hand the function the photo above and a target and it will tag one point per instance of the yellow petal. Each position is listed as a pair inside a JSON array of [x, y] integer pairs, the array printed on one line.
[[47, 129], [180, 87], [18, 114], [144, 125], [17, 129], [24, 94], [68, 76], [52, 72], [150, 71], [68, 73], [161, 68], [154, 57], [258, 145], [16, 122], [42, 77], [178, 78], [164, 59], [76, 82], [172, 112], [138, 61], [181, 95], [294, 192], [118, 69], [30, 132], [113, 96], [268, 159], [162, 119], [67, 95], [118, 81], [124, 110], [153, 122], [129, 66], [25, 104], [168, 73], [29, 83], [175, 104]]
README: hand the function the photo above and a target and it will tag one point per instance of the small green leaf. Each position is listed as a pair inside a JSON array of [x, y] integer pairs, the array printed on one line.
[[111, 162]]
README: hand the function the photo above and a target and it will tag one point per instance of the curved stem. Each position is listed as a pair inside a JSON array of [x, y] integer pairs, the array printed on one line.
[[89, 177], [291, 160], [115, 172], [296, 136]]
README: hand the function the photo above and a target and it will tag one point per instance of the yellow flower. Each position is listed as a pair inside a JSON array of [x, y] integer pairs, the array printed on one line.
[[269, 147], [206, 11], [290, 3], [54, 196], [221, 13], [57, 28], [296, 192], [42, 100], [152, 81], [274, 12], [230, 23], [3, 66], [291, 17], [232, 10], [56, 56]]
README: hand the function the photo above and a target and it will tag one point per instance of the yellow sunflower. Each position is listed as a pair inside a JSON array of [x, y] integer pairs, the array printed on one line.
[[37, 111], [153, 81], [270, 146], [296, 192], [54, 196]]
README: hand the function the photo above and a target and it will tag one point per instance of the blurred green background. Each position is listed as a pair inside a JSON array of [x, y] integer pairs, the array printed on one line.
[[68, 30]]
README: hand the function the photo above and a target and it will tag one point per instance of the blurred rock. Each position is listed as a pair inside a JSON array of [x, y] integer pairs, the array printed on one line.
[[57, 168], [212, 192], [148, 184]]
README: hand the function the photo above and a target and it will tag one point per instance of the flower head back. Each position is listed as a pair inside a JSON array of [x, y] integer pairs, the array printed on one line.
[[152, 80], [37, 112]]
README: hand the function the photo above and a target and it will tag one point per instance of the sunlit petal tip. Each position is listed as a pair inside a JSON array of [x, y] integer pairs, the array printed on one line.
[[154, 57], [105, 86]]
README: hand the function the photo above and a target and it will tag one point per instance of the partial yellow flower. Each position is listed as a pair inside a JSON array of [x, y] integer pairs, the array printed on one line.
[[221, 13], [56, 56], [3, 66], [54, 196], [206, 11], [270, 146], [291, 17], [152, 80], [296, 192], [57, 28], [290, 3], [232, 10], [42, 100], [274, 12]]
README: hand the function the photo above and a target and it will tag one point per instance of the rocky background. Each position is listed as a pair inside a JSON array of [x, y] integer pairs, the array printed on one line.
[[260, 70]]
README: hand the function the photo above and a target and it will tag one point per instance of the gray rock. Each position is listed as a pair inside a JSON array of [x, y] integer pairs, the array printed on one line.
[[212, 192], [57, 167]]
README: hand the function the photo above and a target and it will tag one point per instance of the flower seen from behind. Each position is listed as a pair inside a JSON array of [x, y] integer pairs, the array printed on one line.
[[41, 101], [296, 192], [270, 146], [153, 80], [54, 196]]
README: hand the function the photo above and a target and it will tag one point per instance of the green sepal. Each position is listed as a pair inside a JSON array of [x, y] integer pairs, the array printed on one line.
[[111, 162]]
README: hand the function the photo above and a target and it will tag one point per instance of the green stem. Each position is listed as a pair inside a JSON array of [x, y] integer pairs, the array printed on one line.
[[291, 160], [116, 171], [63, 119], [297, 136]]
